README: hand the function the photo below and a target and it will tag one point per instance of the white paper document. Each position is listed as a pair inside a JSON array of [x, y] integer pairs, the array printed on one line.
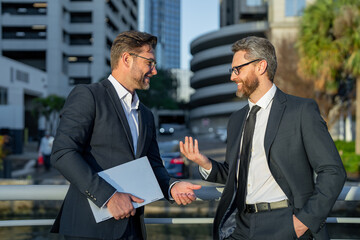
[[135, 177]]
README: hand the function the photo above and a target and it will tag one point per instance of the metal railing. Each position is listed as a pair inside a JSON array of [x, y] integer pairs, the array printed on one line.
[[206, 193]]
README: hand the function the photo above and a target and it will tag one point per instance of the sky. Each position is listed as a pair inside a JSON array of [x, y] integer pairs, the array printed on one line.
[[197, 18]]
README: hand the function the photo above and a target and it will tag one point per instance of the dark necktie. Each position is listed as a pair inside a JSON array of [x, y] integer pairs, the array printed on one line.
[[245, 157]]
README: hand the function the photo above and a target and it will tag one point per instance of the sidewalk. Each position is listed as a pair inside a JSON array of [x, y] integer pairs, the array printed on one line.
[[24, 166]]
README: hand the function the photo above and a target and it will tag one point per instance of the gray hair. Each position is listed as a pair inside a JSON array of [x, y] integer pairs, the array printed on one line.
[[258, 48]]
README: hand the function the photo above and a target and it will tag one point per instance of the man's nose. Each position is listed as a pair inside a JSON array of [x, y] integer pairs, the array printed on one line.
[[233, 76], [154, 71]]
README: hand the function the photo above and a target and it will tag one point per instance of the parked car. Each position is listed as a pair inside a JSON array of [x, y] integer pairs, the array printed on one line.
[[166, 129], [221, 133], [176, 165]]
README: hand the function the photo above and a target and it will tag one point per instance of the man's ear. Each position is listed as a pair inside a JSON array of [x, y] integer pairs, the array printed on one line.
[[262, 67], [126, 59]]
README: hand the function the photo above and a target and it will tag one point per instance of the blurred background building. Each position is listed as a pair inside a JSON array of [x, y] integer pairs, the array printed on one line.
[[59, 44], [162, 19], [214, 98]]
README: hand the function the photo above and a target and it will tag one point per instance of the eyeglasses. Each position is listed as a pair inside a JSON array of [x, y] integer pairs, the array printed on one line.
[[236, 69], [152, 62]]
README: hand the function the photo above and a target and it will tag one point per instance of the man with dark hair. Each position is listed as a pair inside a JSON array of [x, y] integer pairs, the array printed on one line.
[[275, 145], [104, 125]]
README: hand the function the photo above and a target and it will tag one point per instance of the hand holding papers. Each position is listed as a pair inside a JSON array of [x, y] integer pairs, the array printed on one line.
[[135, 177]]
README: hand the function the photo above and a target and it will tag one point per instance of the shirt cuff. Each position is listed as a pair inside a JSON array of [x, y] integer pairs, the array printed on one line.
[[204, 173]]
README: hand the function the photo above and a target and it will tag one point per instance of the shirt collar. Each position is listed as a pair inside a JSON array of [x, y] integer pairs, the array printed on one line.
[[132, 101], [265, 100]]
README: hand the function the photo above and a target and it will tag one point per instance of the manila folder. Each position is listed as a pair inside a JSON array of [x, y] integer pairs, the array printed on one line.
[[135, 177]]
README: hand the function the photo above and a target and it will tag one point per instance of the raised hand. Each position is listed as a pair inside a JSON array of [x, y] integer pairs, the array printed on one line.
[[120, 205], [183, 193], [190, 149]]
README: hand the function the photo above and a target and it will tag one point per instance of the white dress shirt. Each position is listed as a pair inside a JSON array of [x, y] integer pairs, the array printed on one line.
[[262, 186], [130, 105]]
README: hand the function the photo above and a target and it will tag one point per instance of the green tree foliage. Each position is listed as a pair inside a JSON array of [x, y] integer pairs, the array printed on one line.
[[329, 50], [329, 43], [162, 92], [49, 107]]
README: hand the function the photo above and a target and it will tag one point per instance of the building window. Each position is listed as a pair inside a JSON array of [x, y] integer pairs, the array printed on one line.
[[38, 8], [111, 25], [108, 43], [22, 76], [124, 4], [3, 96], [80, 17], [254, 3], [80, 39], [80, 59], [34, 32], [112, 6], [294, 8], [80, 80]]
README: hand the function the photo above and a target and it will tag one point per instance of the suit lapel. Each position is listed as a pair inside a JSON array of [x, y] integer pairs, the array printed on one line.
[[276, 113], [142, 131], [119, 110]]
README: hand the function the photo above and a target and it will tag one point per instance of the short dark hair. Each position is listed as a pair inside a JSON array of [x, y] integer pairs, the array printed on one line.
[[130, 41], [255, 48]]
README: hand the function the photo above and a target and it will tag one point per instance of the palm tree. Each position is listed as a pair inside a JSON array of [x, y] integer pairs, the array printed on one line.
[[329, 47]]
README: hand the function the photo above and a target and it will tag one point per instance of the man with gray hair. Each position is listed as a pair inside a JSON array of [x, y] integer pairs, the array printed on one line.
[[274, 146]]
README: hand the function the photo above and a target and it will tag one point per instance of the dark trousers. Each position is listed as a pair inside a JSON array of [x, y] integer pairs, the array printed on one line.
[[270, 225], [47, 161], [132, 232]]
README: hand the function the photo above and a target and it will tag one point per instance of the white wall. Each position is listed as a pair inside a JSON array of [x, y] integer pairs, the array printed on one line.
[[12, 114]]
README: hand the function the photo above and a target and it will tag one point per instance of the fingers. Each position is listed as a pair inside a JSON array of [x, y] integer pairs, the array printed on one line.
[[181, 145], [196, 146], [120, 205], [184, 198], [191, 146], [136, 199], [195, 187]]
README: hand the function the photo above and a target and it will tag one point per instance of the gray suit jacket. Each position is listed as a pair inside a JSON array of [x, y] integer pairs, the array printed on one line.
[[297, 144], [94, 135]]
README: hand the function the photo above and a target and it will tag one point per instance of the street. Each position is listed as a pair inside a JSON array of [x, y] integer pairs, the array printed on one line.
[[209, 145]]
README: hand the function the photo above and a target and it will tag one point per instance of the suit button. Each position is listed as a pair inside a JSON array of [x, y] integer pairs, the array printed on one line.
[[94, 199]]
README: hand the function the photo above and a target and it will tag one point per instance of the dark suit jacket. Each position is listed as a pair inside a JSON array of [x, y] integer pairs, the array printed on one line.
[[94, 135], [297, 144]]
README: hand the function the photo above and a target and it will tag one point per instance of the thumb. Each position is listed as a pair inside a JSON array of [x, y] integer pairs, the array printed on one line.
[[195, 187], [136, 199]]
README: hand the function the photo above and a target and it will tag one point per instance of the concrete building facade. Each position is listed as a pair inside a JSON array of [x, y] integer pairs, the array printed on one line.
[[68, 39], [19, 85], [49, 46]]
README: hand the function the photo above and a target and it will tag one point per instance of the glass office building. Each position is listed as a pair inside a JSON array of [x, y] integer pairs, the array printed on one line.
[[165, 24]]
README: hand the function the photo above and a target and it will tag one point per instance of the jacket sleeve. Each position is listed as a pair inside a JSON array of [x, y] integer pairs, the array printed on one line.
[[326, 162], [71, 142]]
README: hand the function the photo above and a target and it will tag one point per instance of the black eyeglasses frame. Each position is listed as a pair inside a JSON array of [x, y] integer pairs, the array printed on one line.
[[236, 69], [152, 61]]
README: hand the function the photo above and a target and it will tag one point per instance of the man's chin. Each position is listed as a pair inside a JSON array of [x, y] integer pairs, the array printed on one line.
[[239, 94], [145, 86]]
